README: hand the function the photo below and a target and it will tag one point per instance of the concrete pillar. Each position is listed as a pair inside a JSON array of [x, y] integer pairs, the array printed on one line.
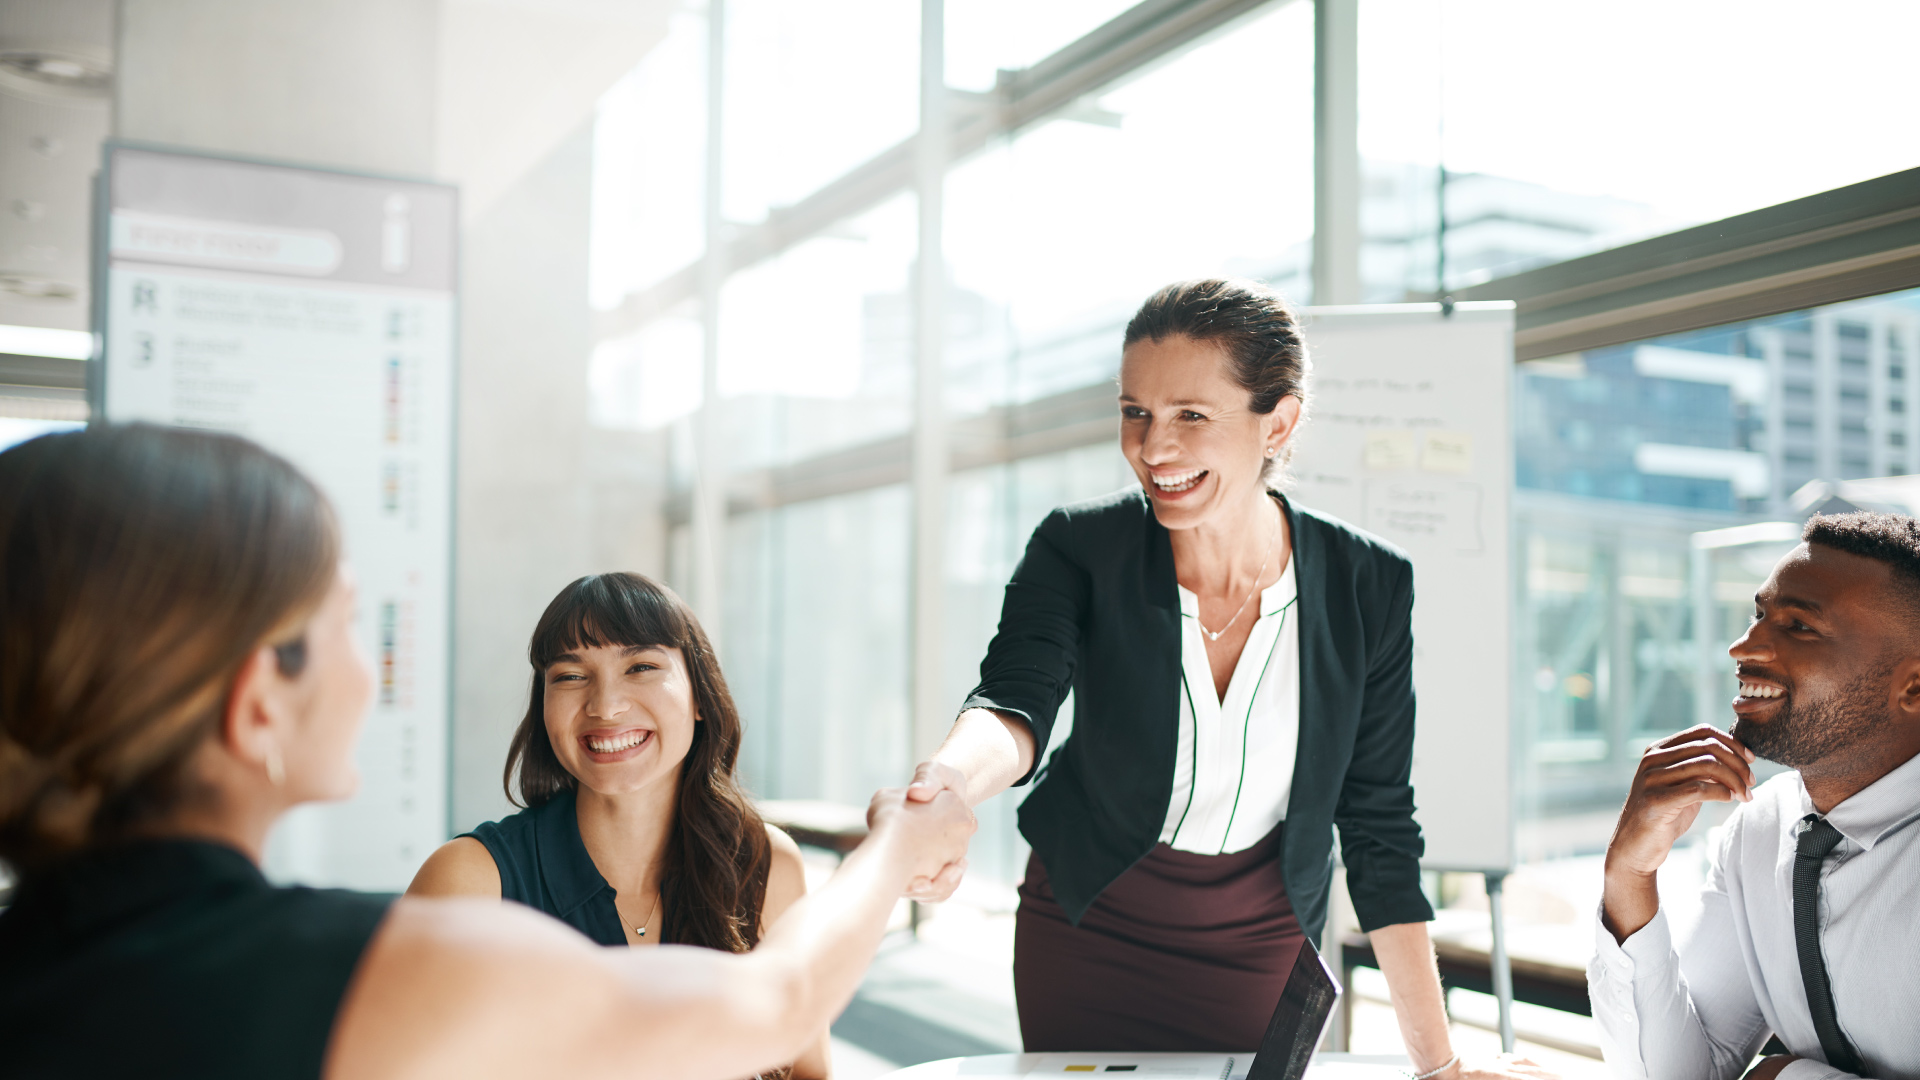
[[525, 507]]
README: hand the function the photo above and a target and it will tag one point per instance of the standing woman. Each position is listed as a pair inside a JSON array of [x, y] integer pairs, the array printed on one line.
[[1242, 672], [636, 830]]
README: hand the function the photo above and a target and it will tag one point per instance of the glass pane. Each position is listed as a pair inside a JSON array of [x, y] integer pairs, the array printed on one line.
[[1624, 456], [648, 378], [816, 345], [815, 645], [984, 36], [1057, 235], [812, 91], [649, 153], [1570, 128]]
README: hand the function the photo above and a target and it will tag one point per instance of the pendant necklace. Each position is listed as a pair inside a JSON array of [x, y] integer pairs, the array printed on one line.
[[642, 928], [1213, 635]]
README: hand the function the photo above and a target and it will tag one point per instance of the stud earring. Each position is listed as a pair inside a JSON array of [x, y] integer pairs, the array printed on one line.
[[276, 768]]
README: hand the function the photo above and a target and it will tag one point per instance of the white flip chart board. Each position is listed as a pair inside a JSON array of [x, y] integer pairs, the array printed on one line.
[[1410, 438], [312, 312]]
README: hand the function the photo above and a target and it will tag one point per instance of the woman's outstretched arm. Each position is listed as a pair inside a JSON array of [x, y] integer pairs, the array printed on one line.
[[478, 989], [1028, 671], [786, 885], [982, 756]]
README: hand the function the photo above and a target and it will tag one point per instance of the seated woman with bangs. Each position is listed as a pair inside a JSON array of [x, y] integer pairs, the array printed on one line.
[[180, 666], [636, 830]]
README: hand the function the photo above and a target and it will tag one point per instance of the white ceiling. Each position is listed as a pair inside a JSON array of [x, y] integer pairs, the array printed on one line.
[[49, 150], [515, 78]]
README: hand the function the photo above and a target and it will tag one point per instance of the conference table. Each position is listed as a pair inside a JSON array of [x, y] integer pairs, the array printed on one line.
[[1078, 1066]]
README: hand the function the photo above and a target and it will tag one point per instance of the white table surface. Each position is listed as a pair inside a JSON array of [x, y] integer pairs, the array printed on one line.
[[1115, 1066]]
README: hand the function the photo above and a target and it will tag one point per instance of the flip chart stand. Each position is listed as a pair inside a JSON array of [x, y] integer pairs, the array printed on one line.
[[1502, 970]]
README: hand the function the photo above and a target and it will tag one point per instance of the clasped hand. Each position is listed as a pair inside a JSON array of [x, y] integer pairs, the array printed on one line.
[[934, 827], [931, 780]]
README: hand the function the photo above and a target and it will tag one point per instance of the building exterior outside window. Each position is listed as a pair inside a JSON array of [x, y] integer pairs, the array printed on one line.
[[1053, 233], [1622, 455]]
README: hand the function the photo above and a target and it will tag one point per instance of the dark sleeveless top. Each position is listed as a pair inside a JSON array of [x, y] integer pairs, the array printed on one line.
[[544, 864], [174, 958]]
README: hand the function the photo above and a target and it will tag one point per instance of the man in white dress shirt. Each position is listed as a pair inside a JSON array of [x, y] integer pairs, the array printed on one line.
[[1810, 931]]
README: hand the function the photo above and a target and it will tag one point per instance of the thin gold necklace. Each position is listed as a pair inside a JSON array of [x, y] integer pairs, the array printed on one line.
[[642, 928], [1213, 635]]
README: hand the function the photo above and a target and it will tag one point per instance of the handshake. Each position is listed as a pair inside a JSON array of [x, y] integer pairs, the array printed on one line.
[[926, 825]]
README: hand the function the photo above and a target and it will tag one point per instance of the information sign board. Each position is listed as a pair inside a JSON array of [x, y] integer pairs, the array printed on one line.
[[312, 312]]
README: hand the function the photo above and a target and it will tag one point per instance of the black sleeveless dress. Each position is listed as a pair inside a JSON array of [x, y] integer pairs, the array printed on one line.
[[174, 958], [544, 864]]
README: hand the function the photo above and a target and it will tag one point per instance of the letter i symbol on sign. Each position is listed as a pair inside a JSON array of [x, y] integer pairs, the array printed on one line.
[[396, 236]]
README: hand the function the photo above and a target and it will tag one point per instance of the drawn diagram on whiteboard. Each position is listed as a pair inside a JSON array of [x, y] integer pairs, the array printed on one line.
[[1401, 510]]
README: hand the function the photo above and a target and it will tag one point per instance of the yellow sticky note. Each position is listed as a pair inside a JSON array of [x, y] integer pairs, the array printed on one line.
[[1389, 451], [1447, 452]]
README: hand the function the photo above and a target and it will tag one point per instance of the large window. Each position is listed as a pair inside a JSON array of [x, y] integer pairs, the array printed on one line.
[[1631, 460], [1658, 474], [1496, 135], [1201, 166], [1566, 128], [1054, 231]]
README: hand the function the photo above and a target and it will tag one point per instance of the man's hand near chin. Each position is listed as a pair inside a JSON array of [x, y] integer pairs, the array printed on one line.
[[1676, 775], [1770, 1067]]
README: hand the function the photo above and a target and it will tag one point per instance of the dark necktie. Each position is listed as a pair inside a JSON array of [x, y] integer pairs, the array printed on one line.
[[1816, 840]]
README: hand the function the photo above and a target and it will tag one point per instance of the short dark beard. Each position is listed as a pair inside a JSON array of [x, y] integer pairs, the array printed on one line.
[[1806, 733]]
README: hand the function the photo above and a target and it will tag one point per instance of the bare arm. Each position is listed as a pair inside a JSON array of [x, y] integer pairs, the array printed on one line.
[[982, 756], [461, 867], [1420, 1005], [786, 885], [984, 753], [1413, 982], [468, 988]]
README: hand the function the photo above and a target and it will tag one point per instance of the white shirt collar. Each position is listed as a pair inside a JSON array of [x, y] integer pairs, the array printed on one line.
[[1879, 808]]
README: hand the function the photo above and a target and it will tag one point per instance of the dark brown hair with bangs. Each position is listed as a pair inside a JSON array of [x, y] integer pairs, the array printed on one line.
[[717, 858]]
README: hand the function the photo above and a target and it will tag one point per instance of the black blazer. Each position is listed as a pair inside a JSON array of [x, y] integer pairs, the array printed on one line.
[[1093, 608]]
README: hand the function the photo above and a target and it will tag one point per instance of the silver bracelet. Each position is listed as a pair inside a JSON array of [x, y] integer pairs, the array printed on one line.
[[1448, 1064]]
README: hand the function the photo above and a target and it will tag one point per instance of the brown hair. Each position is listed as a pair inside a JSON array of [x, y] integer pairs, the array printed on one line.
[[139, 568], [718, 856], [1251, 323]]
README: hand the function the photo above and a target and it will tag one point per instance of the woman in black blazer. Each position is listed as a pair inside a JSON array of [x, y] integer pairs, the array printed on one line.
[[1183, 834]]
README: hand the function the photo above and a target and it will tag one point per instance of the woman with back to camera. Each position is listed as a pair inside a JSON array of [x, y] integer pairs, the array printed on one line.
[[636, 830], [1242, 672], [178, 668]]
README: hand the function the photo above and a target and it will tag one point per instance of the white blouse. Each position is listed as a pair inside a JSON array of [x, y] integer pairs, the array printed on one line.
[[1235, 763]]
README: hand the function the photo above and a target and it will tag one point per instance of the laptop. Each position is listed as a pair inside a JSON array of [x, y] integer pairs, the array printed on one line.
[[1286, 1050], [1306, 1004]]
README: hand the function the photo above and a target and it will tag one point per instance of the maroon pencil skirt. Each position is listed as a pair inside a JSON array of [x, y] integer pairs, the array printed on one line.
[[1184, 952]]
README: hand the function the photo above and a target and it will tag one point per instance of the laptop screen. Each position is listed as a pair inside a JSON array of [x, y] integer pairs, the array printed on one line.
[[1301, 1018]]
